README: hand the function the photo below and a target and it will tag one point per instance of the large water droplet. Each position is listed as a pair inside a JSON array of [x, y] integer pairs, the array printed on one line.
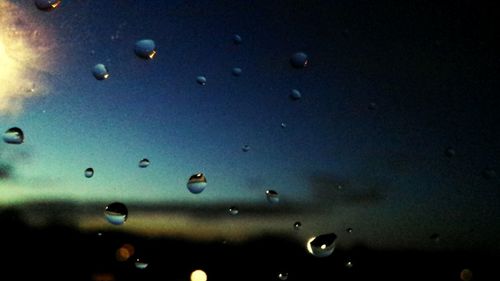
[[245, 148], [89, 172], [322, 245], [201, 80], [145, 49], [466, 275], [297, 225], [47, 5], [100, 72], [233, 210], [13, 135], [299, 60], [144, 163], [116, 213], [295, 95], [141, 264], [197, 183], [237, 39], [236, 71], [283, 275], [272, 196]]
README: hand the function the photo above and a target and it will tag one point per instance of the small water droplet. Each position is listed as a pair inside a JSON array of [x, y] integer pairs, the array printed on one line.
[[466, 274], [450, 152], [89, 172], [99, 233], [145, 49], [372, 106], [349, 230], [339, 187], [489, 173], [272, 196], [299, 60], [283, 125], [348, 264], [295, 95], [237, 71], [237, 39], [201, 80], [283, 275], [322, 245], [245, 148], [13, 135], [233, 210], [141, 264], [297, 225], [197, 183], [47, 5], [116, 213], [100, 72], [144, 163], [435, 237]]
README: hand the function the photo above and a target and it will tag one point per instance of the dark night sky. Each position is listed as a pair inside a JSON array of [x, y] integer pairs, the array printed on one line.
[[431, 69]]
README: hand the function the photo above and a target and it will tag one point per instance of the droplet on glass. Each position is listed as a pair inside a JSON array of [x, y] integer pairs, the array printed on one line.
[[283, 125], [466, 275], [201, 80], [272, 196], [13, 135], [47, 5], [372, 106], [145, 49], [489, 173], [297, 225], [450, 152], [233, 210], [299, 60], [197, 183], [283, 275], [295, 95], [322, 245], [237, 39], [141, 264], [348, 264], [116, 213], [236, 71], [349, 230], [245, 148], [100, 72], [435, 237], [89, 172], [144, 163]]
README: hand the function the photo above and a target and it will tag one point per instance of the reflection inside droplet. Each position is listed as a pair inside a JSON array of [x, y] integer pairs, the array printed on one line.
[[322, 245], [47, 5], [89, 172], [233, 210], [100, 72], [141, 264], [145, 49], [272, 196], [144, 163], [116, 213], [299, 60], [13, 135], [197, 183], [201, 80]]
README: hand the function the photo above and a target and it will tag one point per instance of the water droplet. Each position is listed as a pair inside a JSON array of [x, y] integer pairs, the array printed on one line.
[[144, 163], [272, 196], [372, 106], [435, 237], [237, 39], [283, 275], [141, 264], [245, 148], [489, 173], [237, 71], [466, 275], [339, 187], [283, 125], [198, 275], [348, 264], [450, 152], [295, 95], [47, 5], [349, 230], [297, 225], [197, 183], [116, 213], [145, 49], [299, 60], [201, 80], [89, 172], [13, 135], [322, 245], [233, 210], [100, 72]]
